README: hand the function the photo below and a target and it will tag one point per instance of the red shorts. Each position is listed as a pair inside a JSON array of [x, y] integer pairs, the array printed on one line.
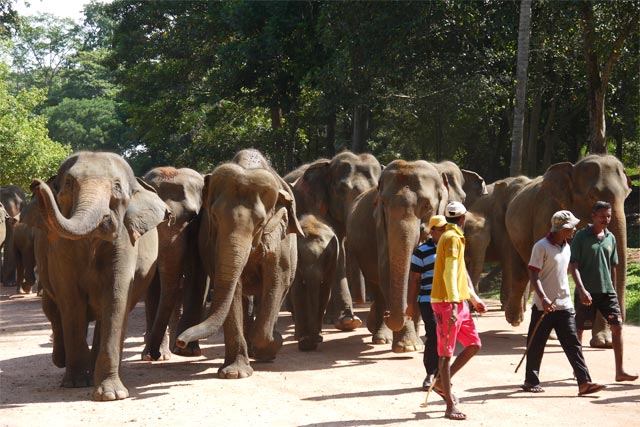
[[464, 329]]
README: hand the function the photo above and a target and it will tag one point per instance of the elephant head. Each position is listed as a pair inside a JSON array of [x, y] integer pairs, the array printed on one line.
[[97, 195], [328, 188], [575, 188], [246, 213], [409, 193], [473, 186]]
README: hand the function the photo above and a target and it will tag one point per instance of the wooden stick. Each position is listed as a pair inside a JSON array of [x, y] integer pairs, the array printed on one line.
[[533, 334]]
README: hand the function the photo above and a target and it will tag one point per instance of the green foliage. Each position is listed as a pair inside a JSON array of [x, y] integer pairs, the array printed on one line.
[[25, 149], [633, 293]]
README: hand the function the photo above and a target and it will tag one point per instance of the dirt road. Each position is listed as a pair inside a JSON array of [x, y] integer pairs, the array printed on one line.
[[348, 382]]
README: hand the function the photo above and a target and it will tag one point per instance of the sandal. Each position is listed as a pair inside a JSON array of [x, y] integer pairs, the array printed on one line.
[[591, 388], [532, 388], [459, 416]]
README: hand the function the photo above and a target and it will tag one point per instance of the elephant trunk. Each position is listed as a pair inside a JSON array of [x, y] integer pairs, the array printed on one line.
[[230, 259], [89, 213], [402, 236], [618, 227]]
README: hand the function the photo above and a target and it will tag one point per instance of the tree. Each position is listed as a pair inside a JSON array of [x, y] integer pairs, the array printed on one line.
[[521, 87], [25, 149], [616, 21]]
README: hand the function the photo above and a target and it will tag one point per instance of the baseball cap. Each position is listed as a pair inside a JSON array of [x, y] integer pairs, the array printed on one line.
[[563, 219], [437, 221], [454, 210]]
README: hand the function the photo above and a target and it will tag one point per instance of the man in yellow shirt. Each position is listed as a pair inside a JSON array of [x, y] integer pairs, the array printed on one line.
[[453, 318]]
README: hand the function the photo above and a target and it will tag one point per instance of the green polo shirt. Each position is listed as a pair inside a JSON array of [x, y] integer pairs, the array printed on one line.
[[595, 258]]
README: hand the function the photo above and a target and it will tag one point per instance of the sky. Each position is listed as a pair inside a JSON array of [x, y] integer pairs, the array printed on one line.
[[62, 8]]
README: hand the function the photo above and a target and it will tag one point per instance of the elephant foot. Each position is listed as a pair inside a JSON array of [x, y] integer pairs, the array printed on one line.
[[149, 355], [597, 342], [191, 350], [267, 350], [382, 336], [110, 389], [309, 342], [236, 370], [348, 322], [407, 346], [77, 379]]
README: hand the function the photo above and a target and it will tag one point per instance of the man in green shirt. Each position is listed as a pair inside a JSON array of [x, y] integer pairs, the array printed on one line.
[[593, 267]]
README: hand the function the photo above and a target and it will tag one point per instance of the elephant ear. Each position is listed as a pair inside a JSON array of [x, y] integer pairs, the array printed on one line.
[[311, 189], [31, 214], [287, 201], [557, 185], [146, 210]]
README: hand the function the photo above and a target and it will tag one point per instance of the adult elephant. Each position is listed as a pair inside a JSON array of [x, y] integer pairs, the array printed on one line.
[[101, 253], [177, 278], [317, 262], [13, 199], [486, 232], [383, 231], [576, 188], [328, 189], [248, 246]]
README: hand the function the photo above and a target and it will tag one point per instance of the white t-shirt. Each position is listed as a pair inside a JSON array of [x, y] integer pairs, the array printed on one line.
[[552, 262]]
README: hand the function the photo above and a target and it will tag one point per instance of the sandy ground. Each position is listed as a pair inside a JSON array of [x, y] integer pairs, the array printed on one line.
[[347, 382]]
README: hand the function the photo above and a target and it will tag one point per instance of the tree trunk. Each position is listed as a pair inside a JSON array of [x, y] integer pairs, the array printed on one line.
[[597, 79], [331, 135], [534, 121], [360, 128], [521, 87]]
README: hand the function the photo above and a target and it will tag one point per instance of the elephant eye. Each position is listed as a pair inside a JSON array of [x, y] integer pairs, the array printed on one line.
[[117, 188]]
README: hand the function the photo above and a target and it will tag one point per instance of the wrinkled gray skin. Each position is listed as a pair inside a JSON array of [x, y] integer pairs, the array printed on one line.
[[100, 218], [181, 190], [576, 188], [328, 189], [317, 261], [247, 241], [24, 250], [486, 233], [383, 230], [13, 199]]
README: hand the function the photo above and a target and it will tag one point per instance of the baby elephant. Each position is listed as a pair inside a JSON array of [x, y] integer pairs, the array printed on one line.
[[317, 260]]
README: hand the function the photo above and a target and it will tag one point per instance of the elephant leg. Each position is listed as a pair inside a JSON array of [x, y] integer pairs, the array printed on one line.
[[236, 356], [113, 321], [519, 281], [151, 302], [76, 350], [601, 333], [29, 272], [355, 279], [265, 340], [346, 320], [194, 296], [53, 314], [20, 288], [157, 347]]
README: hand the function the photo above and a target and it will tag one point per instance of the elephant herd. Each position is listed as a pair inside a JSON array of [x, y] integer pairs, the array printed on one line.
[[249, 241]]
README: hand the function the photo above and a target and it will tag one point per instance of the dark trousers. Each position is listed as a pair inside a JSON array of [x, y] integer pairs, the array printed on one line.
[[563, 321], [430, 358]]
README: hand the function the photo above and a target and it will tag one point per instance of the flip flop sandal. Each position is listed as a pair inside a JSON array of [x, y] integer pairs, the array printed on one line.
[[532, 388], [458, 416], [592, 388]]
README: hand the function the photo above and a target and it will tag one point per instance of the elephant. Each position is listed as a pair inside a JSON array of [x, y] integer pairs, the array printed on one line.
[[13, 199], [486, 233], [24, 250], [474, 187], [317, 261], [101, 252], [247, 242], [575, 187], [328, 189], [181, 190], [383, 230]]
